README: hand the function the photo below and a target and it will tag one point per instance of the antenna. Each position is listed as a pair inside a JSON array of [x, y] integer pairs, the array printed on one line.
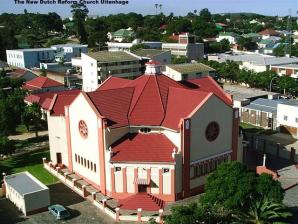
[[288, 43]]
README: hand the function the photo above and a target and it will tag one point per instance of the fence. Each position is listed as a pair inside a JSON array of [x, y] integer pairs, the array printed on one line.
[[265, 146]]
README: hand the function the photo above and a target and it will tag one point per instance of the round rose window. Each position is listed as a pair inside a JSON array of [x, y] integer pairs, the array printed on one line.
[[83, 129], [212, 131]]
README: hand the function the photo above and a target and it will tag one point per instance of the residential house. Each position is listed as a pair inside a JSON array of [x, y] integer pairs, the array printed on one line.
[[255, 37], [269, 33], [188, 71], [230, 36], [43, 84], [286, 70], [125, 46], [287, 117], [122, 35], [255, 62], [186, 47], [261, 112], [24, 74]]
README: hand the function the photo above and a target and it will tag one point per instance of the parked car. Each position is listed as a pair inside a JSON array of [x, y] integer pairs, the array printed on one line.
[[59, 211]]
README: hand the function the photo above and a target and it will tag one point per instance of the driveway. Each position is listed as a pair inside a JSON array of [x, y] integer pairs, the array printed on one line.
[[82, 211]]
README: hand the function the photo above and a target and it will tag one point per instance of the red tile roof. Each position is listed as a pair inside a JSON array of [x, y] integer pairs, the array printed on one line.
[[41, 82], [208, 84], [143, 148], [45, 99], [152, 100], [64, 98], [113, 104], [41, 98], [269, 32]]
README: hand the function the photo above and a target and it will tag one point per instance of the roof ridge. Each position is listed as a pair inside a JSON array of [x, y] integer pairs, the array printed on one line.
[[158, 87], [132, 109]]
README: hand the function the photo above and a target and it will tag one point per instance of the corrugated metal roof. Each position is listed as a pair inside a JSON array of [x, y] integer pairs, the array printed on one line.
[[24, 183]]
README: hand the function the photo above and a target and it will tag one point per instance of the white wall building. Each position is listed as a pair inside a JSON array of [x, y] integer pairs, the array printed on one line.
[[28, 58], [98, 66], [186, 46], [187, 71], [230, 36], [287, 118], [26, 192]]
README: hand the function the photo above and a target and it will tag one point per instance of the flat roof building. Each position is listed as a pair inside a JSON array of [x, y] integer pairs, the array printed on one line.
[[187, 71], [26, 192]]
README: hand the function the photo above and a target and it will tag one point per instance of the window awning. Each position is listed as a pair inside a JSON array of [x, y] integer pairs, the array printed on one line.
[[141, 181]]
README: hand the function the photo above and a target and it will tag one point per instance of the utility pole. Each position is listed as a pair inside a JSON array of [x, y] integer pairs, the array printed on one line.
[[288, 42]]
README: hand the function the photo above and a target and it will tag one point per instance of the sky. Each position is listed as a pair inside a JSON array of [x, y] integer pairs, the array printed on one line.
[[178, 7]]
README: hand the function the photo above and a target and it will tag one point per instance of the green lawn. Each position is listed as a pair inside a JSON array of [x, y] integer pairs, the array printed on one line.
[[248, 126], [31, 162], [21, 128]]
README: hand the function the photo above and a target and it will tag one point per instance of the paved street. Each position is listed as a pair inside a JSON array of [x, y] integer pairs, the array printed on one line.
[[82, 211]]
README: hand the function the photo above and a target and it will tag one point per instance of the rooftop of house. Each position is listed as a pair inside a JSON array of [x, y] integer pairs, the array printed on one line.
[[294, 66], [270, 32], [111, 56], [69, 45], [227, 34], [266, 41], [270, 105], [149, 52], [122, 33], [19, 73], [24, 183], [41, 82], [257, 59], [190, 67], [33, 49], [45, 99], [265, 105], [241, 93], [251, 35]]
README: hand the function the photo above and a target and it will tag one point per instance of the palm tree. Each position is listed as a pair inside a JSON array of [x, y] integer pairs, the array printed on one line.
[[160, 5], [262, 212], [195, 11], [156, 5]]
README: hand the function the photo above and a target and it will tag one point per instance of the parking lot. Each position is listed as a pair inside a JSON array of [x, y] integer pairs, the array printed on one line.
[[81, 210]]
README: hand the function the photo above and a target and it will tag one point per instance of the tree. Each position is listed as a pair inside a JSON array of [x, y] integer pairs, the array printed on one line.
[[43, 71], [205, 14], [32, 116], [179, 59], [262, 211], [6, 146], [80, 12], [231, 186], [185, 214], [266, 187], [138, 46]]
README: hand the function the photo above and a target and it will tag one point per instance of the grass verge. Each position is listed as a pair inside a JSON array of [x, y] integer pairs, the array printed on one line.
[[31, 162]]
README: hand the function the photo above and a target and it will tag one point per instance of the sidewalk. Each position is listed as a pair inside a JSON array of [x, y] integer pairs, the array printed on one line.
[[28, 135]]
